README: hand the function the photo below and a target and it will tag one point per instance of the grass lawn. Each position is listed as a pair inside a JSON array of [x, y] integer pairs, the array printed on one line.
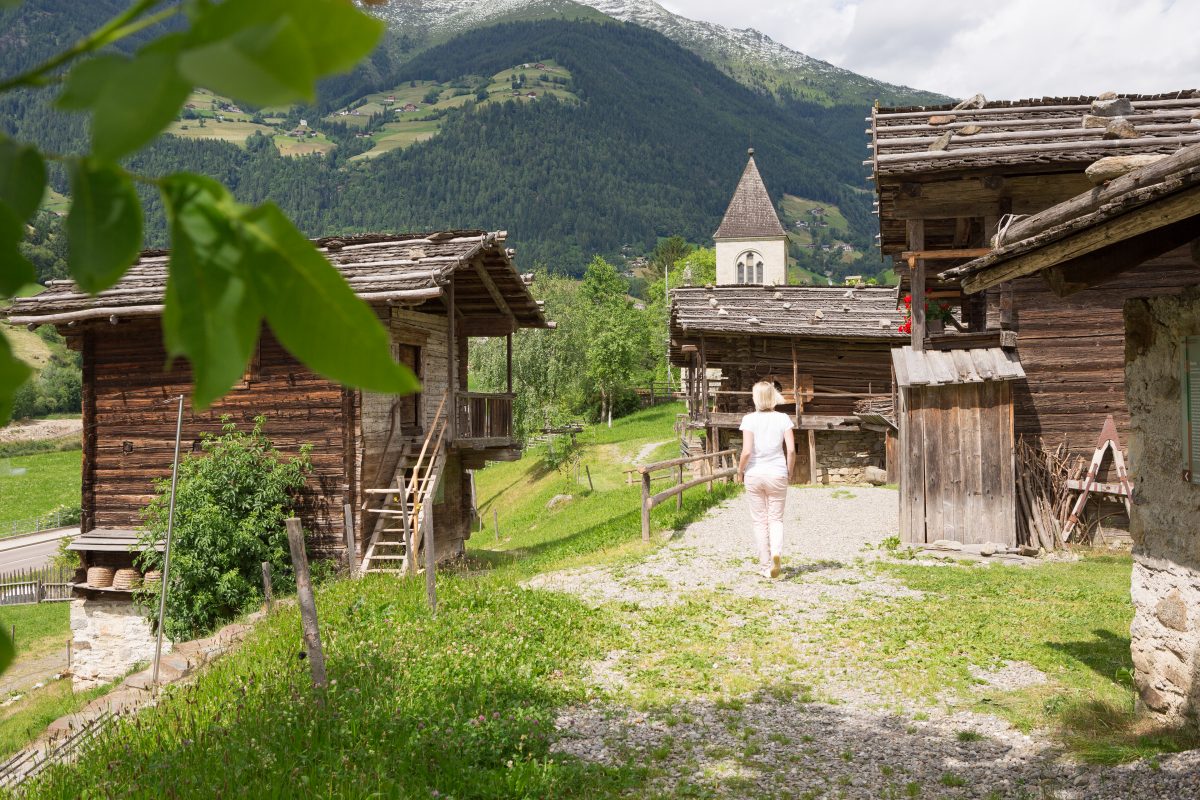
[[35, 484], [42, 628], [291, 146], [460, 705], [1068, 620], [230, 131], [42, 631], [398, 135]]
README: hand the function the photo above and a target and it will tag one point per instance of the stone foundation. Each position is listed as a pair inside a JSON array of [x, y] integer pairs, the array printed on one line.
[[109, 637], [842, 456], [1165, 521]]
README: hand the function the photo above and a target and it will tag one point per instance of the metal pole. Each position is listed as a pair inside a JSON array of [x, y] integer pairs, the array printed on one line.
[[166, 570]]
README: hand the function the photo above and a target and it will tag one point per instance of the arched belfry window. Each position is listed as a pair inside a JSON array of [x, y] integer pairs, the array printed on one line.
[[750, 267]]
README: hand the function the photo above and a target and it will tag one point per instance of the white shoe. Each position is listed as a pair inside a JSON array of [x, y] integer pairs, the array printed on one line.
[[776, 567]]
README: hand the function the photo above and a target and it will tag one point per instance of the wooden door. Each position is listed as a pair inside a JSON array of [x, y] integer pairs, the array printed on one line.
[[409, 407]]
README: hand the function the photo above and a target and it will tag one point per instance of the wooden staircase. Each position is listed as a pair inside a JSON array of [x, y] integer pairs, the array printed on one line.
[[404, 519]]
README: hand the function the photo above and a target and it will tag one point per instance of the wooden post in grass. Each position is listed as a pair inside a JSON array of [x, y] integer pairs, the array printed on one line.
[[308, 603], [679, 497], [266, 570], [351, 550], [496, 524], [588, 470], [645, 506], [430, 564]]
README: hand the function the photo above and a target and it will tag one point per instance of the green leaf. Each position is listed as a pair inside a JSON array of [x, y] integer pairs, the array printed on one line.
[[13, 373], [104, 226], [212, 316], [87, 80], [273, 51], [264, 64], [22, 185], [313, 311], [136, 107]]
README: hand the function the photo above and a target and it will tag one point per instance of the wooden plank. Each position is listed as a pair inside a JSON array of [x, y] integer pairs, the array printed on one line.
[[915, 366], [812, 456], [964, 366], [975, 523], [916, 447], [984, 364], [947, 254], [941, 367], [934, 423], [916, 242], [900, 365]]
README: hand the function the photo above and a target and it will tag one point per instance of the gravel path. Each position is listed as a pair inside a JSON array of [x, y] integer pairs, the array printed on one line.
[[864, 742], [36, 429]]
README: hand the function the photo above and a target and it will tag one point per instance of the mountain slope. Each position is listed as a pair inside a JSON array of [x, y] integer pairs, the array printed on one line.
[[748, 55]]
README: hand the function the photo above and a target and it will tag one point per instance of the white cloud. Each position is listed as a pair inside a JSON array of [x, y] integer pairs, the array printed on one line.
[[1010, 49]]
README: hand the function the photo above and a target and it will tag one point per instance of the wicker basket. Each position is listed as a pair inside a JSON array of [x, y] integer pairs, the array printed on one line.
[[152, 578], [100, 577], [127, 579]]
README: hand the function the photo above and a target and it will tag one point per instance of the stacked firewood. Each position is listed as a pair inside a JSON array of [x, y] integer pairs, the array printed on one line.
[[1043, 500]]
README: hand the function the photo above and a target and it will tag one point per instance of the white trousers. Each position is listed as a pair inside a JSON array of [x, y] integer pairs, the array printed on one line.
[[766, 496]]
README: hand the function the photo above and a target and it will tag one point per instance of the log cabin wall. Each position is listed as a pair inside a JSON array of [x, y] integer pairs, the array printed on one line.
[[129, 422], [837, 367], [1073, 351]]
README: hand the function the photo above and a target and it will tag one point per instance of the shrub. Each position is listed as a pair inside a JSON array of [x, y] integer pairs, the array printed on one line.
[[230, 505]]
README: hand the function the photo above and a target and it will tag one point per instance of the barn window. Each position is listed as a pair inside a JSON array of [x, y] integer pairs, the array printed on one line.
[[1191, 409]]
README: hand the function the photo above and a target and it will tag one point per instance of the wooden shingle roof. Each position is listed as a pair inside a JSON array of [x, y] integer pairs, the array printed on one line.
[[751, 214], [918, 140], [405, 268], [800, 311], [954, 367]]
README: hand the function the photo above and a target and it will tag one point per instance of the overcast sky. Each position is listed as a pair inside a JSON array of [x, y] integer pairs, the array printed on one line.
[[1006, 49]]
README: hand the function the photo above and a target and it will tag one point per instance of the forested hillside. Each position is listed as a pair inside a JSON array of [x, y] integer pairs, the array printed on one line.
[[653, 148]]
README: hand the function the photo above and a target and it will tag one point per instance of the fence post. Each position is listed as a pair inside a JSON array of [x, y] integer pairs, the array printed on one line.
[[496, 524], [430, 563], [308, 603], [266, 570], [351, 547], [645, 506], [588, 470], [679, 497]]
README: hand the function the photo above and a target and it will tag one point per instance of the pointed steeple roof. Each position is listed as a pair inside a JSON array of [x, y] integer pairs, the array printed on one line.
[[751, 213]]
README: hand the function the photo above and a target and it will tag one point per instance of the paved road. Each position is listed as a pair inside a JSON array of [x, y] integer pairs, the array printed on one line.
[[32, 551]]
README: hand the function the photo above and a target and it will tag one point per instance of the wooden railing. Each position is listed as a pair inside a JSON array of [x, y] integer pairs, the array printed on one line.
[[485, 416], [713, 468]]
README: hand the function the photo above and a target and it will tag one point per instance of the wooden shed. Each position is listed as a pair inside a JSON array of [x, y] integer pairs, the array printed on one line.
[[826, 348], [955, 414], [386, 457]]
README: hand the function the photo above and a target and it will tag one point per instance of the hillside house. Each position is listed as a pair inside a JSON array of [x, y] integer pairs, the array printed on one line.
[[949, 179], [410, 107], [826, 348], [1109, 236], [432, 291]]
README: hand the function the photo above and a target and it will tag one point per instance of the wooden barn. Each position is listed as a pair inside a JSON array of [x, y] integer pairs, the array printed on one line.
[[827, 349], [1107, 239], [951, 179], [432, 291]]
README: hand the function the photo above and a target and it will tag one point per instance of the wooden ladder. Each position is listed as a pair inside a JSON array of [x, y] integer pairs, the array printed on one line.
[[405, 516], [1123, 488]]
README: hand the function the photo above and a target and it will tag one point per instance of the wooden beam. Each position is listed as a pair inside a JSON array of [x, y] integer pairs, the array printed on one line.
[[1101, 266], [508, 361], [1145, 219], [944, 255], [452, 361], [490, 285], [916, 242]]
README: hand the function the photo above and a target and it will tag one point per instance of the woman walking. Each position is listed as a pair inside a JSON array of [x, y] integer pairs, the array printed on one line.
[[768, 455]]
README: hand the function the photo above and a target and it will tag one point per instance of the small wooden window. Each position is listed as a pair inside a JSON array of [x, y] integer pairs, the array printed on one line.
[[1191, 409]]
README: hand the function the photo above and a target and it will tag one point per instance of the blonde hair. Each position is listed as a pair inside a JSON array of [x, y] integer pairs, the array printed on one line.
[[766, 396]]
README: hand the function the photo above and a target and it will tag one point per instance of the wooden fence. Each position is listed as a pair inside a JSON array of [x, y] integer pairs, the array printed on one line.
[[46, 585], [712, 469]]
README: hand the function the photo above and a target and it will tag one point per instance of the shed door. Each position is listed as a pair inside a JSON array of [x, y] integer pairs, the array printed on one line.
[[957, 480], [409, 407]]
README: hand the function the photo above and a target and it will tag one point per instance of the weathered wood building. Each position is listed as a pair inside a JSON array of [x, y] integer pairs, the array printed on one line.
[[1104, 240], [432, 291], [826, 348], [951, 179]]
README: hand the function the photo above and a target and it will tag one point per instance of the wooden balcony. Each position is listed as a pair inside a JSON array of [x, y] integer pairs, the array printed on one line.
[[484, 420]]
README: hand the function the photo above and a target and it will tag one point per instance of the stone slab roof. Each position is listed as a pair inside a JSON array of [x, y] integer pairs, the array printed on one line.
[[409, 268], [800, 311], [916, 140]]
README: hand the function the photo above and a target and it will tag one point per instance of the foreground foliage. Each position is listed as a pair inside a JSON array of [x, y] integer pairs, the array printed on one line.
[[231, 503]]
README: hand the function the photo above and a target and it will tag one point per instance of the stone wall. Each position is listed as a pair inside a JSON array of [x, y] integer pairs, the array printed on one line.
[[842, 456], [108, 637], [1165, 523]]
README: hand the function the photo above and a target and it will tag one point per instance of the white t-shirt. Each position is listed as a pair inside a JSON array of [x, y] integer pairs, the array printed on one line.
[[768, 459]]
